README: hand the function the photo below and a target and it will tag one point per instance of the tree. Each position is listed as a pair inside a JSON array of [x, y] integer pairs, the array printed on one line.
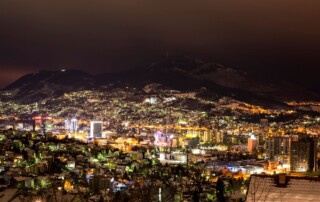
[[121, 196], [220, 190], [258, 189], [235, 184], [194, 142]]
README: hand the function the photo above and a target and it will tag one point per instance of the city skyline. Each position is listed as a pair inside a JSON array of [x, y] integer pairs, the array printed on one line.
[[168, 101]]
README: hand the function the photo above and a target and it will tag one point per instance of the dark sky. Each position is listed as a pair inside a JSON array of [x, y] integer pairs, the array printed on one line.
[[110, 35]]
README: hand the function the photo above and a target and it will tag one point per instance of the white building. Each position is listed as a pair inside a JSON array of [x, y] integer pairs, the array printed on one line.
[[74, 125], [67, 124], [96, 129]]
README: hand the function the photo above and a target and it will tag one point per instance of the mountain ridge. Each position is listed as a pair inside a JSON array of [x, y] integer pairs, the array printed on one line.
[[176, 72]]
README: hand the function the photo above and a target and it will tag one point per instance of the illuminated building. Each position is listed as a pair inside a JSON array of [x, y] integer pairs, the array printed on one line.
[[151, 100], [252, 143], [37, 123], [47, 124], [98, 183], [74, 125], [303, 153], [71, 125], [161, 138], [278, 148], [96, 129], [42, 123], [218, 137], [67, 124], [20, 126], [206, 136]]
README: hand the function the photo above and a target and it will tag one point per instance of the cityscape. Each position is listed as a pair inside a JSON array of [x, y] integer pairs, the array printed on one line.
[[153, 144], [139, 101]]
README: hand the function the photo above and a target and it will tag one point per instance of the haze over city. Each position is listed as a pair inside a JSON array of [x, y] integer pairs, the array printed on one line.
[[273, 37], [159, 101]]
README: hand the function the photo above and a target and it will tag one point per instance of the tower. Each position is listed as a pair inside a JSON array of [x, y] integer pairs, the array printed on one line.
[[74, 125], [278, 148], [37, 123], [303, 153], [96, 129], [252, 144], [67, 124]]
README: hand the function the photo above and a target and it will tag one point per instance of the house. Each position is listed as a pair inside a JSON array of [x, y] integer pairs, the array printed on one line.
[[273, 188]]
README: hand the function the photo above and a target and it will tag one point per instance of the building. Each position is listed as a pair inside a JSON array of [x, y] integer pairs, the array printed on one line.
[[74, 125], [298, 151], [96, 129], [47, 124], [67, 124], [252, 144], [303, 153], [217, 136], [98, 183], [71, 125], [206, 136], [273, 188], [37, 123], [278, 148], [42, 124]]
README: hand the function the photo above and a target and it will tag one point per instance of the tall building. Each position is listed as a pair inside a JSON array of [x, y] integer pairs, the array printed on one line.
[[96, 129], [74, 125], [252, 144], [303, 153], [206, 136], [67, 124], [278, 148], [37, 123]]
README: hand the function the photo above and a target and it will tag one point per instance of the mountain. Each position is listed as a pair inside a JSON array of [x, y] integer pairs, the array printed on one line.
[[187, 73], [44, 84], [176, 72]]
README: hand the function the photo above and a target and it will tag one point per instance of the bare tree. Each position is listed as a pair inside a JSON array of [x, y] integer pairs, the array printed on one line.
[[258, 189]]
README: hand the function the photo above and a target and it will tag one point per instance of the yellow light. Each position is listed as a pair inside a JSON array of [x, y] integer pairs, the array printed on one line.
[[67, 185]]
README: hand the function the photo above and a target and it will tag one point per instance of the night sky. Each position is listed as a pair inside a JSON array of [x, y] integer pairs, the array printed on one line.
[[271, 36]]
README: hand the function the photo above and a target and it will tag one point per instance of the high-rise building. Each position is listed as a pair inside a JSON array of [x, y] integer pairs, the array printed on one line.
[[96, 129], [278, 147], [252, 143], [303, 153], [67, 124], [300, 151], [74, 125], [37, 123]]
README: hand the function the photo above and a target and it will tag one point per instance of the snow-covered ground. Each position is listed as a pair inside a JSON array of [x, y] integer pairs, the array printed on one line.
[[265, 189]]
